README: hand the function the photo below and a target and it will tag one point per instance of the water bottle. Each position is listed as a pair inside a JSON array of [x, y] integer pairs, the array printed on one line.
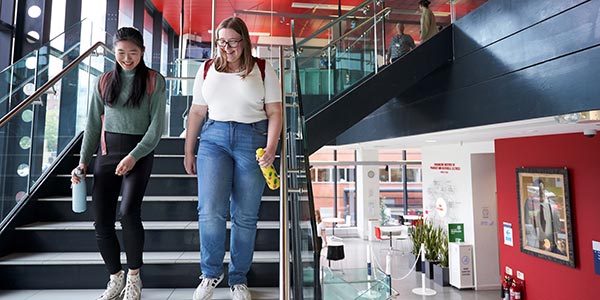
[[269, 172], [79, 193]]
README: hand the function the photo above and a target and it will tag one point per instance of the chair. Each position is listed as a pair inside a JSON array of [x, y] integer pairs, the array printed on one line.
[[335, 251], [380, 237]]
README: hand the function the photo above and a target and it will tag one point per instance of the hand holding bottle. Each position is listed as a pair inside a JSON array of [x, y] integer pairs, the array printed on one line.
[[268, 172]]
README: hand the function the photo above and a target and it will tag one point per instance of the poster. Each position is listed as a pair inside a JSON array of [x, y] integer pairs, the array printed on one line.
[[456, 232], [508, 234], [596, 251]]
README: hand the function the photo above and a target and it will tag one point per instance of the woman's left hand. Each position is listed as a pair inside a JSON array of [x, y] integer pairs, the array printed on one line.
[[125, 165], [267, 159]]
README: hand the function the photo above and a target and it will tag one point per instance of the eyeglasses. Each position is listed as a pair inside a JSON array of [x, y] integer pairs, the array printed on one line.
[[231, 43]]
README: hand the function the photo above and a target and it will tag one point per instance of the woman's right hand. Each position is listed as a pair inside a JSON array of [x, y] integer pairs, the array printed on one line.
[[74, 178], [189, 163]]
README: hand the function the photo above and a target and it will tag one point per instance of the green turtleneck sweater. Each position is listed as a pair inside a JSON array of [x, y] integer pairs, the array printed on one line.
[[146, 120]]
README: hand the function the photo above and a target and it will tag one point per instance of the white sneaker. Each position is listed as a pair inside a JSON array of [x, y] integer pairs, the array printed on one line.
[[207, 286], [240, 292], [133, 288], [115, 286]]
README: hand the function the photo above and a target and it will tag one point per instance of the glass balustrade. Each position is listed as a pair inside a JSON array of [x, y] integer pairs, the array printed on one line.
[[34, 138]]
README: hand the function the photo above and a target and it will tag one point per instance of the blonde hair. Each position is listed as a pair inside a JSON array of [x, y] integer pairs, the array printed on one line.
[[246, 60]]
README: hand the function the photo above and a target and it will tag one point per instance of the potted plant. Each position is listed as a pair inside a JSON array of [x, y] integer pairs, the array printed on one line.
[[383, 212], [416, 234], [441, 271], [432, 246]]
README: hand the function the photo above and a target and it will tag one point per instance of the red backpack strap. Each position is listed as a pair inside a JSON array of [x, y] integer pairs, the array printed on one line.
[[261, 66], [103, 82], [151, 82], [207, 65]]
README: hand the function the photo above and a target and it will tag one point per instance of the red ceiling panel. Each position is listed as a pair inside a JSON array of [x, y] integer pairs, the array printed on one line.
[[197, 14]]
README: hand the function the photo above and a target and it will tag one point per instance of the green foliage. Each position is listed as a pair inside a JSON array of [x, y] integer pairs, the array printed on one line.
[[435, 239], [417, 235], [432, 241], [383, 216], [443, 248]]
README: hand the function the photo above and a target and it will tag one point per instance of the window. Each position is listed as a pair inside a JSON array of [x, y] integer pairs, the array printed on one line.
[[148, 27], [384, 175], [125, 13], [324, 175]]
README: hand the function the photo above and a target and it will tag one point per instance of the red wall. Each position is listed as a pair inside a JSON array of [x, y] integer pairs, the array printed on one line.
[[581, 155]]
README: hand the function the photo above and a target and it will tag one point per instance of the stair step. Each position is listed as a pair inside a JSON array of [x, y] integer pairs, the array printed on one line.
[[154, 208], [87, 271], [258, 293], [148, 225], [159, 236], [93, 258]]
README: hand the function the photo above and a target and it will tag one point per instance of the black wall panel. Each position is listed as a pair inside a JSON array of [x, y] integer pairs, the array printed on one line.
[[545, 69], [498, 19]]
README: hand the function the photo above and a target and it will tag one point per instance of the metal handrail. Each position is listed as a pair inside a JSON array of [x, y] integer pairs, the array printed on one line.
[[284, 240], [46, 86], [331, 24], [332, 43]]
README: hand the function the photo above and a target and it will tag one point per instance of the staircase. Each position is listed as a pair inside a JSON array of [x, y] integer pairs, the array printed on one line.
[[60, 245]]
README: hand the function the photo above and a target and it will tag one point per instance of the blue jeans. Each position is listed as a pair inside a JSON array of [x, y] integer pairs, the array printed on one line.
[[229, 177]]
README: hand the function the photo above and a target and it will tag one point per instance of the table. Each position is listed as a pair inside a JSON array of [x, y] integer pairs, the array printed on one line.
[[393, 230], [333, 221]]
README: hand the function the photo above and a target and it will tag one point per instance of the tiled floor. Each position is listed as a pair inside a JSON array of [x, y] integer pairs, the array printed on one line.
[[355, 251]]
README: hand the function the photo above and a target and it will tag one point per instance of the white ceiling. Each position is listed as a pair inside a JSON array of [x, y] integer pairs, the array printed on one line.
[[488, 133]]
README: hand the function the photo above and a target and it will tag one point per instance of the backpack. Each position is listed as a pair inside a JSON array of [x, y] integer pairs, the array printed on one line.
[[259, 61]]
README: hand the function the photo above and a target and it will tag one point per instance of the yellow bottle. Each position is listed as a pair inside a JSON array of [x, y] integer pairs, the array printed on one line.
[[269, 172]]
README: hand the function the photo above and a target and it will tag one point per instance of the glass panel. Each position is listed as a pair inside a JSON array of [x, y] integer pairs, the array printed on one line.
[[148, 28], [356, 284], [31, 139], [125, 13], [304, 257]]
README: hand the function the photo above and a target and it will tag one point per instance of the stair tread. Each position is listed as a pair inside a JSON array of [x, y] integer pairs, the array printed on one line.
[[220, 293], [152, 198], [75, 258], [148, 225]]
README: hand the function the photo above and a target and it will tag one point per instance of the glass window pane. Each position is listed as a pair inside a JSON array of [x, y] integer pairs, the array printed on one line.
[[383, 175], [148, 20], [125, 13], [413, 175], [396, 174], [323, 175]]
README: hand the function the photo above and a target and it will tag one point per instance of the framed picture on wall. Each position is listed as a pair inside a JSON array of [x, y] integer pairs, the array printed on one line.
[[545, 214]]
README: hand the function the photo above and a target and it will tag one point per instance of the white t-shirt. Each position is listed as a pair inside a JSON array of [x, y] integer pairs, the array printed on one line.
[[320, 227], [231, 98]]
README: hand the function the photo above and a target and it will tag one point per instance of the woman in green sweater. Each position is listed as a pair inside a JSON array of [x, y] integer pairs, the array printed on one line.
[[125, 119]]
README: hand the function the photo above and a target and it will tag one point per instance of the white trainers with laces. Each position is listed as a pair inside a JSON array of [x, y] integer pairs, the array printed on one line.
[[207, 286], [115, 286], [133, 288], [240, 292]]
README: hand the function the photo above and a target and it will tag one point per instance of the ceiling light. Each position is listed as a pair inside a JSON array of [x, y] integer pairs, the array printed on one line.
[[592, 116], [320, 6], [366, 9], [430, 141]]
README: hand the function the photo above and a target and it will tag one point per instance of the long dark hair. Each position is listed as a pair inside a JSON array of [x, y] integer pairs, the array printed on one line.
[[113, 86]]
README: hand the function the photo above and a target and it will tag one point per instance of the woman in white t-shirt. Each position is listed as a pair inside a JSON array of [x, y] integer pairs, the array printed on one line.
[[244, 109], [321, 232]]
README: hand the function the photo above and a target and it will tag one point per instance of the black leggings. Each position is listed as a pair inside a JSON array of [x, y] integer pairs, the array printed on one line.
[[105, 194]]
